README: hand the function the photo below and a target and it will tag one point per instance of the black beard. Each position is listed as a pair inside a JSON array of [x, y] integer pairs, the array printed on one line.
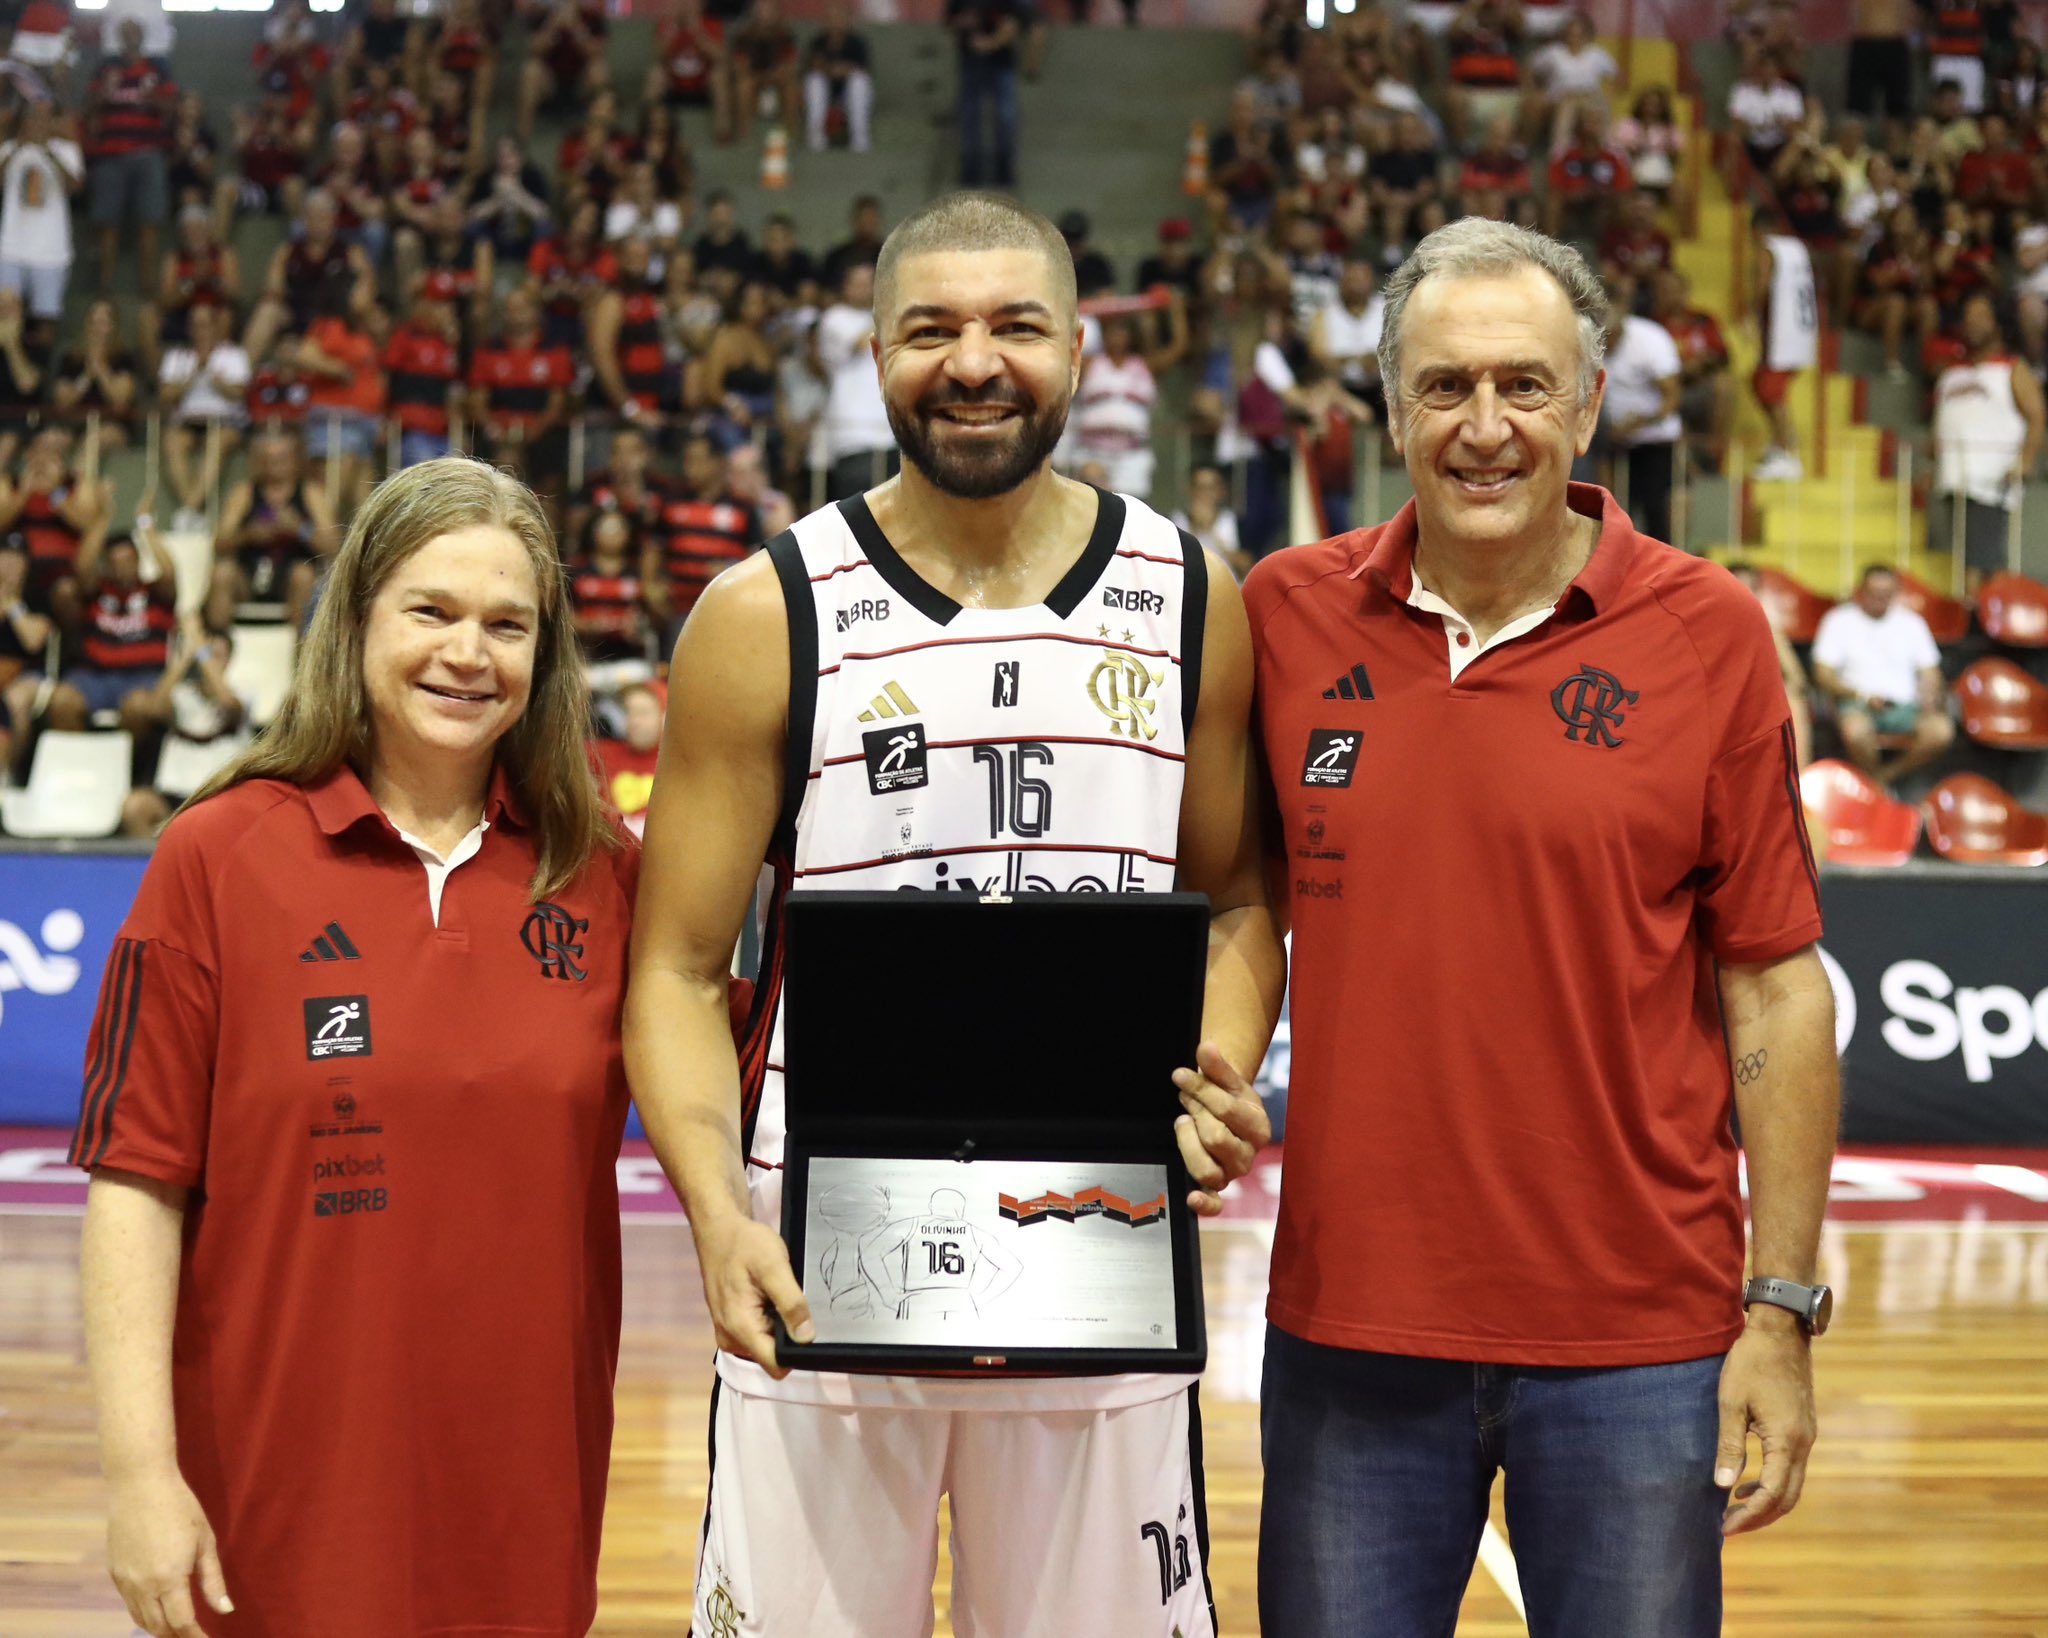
[[980, 473]]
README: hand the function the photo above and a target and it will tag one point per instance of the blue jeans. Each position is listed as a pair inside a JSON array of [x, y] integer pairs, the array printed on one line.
[[983, 88], [1378, 1469]]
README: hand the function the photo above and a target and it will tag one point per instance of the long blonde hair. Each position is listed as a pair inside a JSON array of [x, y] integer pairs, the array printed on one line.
[[325, 720]]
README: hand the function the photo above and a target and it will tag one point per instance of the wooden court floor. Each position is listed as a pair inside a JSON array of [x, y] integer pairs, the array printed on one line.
[[1926, 1510]]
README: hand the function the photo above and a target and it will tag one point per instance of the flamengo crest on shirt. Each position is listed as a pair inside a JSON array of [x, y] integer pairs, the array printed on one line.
[[1589, 703], [1121, 686], [550, 935]]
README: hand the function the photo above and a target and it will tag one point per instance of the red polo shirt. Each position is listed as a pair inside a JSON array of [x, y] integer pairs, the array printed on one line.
[[398, 1301], [1508, 1124]]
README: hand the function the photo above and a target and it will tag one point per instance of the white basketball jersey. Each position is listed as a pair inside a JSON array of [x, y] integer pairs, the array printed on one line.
[[955, 749], [1793, 341], [1979, 431]]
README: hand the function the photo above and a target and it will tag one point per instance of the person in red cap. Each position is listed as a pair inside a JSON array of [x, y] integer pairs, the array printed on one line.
[[1554, 921]]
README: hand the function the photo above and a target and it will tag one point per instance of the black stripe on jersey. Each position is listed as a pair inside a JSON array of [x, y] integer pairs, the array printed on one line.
[[96, 1130], [759, 1034], [937, 607], [1791, 750], [1194, 620], [1093, 563], [788, 558], [1201, 1497], [887, 562], [100, 1052], [1016, 739], [710, 1478], [991, 847]]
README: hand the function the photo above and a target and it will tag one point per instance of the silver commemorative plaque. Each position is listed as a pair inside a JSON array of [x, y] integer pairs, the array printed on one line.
[[989, 1254]]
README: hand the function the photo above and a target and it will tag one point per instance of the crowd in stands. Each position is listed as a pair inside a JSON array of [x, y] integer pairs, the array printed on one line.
[[679, 379]]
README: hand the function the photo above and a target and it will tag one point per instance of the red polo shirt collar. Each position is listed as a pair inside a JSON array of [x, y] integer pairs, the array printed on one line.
[[342, 800], [1389, 559]]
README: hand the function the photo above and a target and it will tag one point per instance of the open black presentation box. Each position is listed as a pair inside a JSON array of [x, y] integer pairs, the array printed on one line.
[[1043, 1027]]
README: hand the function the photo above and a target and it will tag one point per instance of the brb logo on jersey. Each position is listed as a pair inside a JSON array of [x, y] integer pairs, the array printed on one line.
[[895, 758], [868, 608], [1133, 600]]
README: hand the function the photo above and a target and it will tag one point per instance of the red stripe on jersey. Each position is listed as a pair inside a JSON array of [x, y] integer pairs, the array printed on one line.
[[844, 568], [1025, 637], [1018, 739], [992, 847]]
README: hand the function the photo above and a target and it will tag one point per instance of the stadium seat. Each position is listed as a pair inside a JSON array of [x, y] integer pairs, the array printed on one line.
[[186, 764], [260, 670], [1864, 825], [75, 786], [1972, 821], [192, 554], [1794, 609], [1947, 617], [2003, 706], [2014, 610]]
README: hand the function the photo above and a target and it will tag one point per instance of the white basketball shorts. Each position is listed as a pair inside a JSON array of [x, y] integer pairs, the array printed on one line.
[[823, 1522]]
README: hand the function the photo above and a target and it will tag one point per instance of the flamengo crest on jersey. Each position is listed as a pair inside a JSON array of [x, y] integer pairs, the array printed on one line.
[[978, 750]]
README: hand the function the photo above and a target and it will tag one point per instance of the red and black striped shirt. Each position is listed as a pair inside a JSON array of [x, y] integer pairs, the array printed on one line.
[[701, 539], [609, 621], [419, 368], [43, 528], [519, 380], [134, 104], [129, 629], [643, 360]]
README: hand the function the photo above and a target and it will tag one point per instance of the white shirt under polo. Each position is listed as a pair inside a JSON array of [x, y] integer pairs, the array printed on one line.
[[438, 868], [1460, 641]]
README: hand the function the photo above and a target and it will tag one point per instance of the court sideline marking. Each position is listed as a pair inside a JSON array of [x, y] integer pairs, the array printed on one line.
[[1499, 1562]]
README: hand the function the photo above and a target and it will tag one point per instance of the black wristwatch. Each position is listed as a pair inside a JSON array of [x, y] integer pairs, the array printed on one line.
[[1814, 1304]]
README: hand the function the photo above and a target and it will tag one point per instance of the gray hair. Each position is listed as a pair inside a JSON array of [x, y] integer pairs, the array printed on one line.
[[1477, 246]]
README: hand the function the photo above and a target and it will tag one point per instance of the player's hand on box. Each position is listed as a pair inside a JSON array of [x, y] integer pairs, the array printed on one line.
[[747, 1279], [157, 1541], [1224, 1128]]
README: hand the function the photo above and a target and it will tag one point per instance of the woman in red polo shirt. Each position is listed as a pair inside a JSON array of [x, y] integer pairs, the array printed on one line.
[[353, 1099]]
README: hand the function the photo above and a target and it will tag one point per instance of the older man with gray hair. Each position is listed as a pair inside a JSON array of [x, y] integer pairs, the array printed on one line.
[[1554, 920]]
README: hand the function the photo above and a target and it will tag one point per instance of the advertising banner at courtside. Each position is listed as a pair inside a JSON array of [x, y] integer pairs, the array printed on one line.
[[1941, 991], [58, 917]]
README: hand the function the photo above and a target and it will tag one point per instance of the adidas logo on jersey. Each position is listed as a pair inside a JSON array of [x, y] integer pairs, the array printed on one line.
[[891, 702], [1353, 685], [332, 944]]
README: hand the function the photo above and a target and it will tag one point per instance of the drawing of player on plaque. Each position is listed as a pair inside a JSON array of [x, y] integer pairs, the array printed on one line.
[[850, 1210], [937, 1265]]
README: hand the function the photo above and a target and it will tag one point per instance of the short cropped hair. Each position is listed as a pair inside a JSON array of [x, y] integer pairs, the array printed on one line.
[[974, 221], [1477, 247]]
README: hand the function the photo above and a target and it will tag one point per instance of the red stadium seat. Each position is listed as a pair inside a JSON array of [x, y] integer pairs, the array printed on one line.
[[2003, 706], [1947, 617], [1972, 821], [1795, 610], [2014, 610], [1864, 825]]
